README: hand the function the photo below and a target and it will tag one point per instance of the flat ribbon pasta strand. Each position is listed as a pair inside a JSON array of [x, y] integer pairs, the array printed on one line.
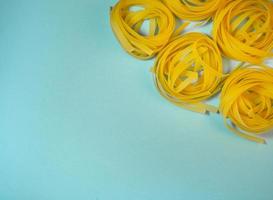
[[126, 24], [247, 101], [188, 71], [194, 10], [243, 29]]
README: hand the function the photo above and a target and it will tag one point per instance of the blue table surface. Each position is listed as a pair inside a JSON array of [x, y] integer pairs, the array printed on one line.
[[81, 119]]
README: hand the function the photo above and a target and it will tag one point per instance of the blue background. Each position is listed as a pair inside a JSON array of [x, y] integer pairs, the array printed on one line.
[[81, 119]]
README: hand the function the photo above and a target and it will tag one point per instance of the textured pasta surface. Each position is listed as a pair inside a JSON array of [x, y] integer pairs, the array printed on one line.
[[247, 101], [244, 30], [194, 10], [126, 23], [189, 70]]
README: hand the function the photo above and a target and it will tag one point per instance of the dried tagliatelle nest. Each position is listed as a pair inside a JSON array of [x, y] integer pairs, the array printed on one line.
[[186, 74], [247, 101], [243, 29], [126, 24]]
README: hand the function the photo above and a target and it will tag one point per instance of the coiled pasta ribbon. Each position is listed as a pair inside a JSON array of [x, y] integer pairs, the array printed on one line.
[[188, 71], [126, 24], [194, 10], [243, 30], [247, 101]]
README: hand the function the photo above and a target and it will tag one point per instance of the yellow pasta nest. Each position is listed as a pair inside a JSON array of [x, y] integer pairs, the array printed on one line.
[[244, 29], [247, 101], [193, 9], [127, 22], [189, 70]]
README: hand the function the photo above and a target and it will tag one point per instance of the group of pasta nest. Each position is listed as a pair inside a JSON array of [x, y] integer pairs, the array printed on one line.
[[189, 68]]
